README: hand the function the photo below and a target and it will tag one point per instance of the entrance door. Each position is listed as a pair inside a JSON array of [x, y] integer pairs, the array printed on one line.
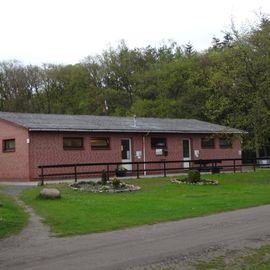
[[186, 152], [126, 153]]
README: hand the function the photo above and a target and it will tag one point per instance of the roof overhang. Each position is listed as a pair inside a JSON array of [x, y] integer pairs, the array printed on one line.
[[137, 131]]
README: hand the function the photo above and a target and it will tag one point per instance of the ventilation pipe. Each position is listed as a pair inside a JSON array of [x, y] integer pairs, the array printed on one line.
[[134, 121]]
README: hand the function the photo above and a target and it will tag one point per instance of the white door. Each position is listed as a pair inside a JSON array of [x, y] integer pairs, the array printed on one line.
[[186, 152], [126, 153]]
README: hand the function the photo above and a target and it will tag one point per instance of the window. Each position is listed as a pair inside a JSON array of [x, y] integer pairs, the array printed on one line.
[[100, 143], [73, 143], [158, 143], [225, 142], [207, 142], [9, 145]]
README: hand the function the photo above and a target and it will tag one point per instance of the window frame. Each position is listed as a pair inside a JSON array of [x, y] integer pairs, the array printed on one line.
[[8, 150], [73, 147], [107, 147], [225, 146], [208, 146], [153, 145]]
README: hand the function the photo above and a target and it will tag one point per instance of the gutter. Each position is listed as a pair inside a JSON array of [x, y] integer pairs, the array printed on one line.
[[137, 131]]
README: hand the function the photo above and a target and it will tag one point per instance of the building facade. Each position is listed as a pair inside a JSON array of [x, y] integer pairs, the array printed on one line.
[[30, 140]]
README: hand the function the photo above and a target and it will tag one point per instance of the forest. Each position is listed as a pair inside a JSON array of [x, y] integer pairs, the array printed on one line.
[[228, 84]]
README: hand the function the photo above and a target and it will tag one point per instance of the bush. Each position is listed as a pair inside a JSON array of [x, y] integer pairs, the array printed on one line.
[[121, 168], [116, 182], [104, 178], [194, 176]]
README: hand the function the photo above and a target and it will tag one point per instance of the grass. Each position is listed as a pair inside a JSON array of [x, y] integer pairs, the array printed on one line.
[[251, 259], [158, 201], [12, 217]]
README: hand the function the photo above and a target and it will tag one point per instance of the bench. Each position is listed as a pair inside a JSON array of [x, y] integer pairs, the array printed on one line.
[[207, 165]]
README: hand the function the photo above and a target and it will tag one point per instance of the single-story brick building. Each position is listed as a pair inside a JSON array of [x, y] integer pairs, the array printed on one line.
[[30, 140]]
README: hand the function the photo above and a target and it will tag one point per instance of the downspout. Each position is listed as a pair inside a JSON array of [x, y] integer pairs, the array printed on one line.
[[28, 141], [144, 154]]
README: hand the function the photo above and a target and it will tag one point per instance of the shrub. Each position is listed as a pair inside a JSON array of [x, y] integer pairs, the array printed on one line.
[[121, 168], [194, 176], [116, 182], [103, 177]]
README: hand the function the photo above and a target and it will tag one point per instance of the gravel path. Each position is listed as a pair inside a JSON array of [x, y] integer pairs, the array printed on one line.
[[145, 247], [33, 234]]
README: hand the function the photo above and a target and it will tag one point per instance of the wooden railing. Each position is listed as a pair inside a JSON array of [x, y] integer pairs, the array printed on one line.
[[138, 168]]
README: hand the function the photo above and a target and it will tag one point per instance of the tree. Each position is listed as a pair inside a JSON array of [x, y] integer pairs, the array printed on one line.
[[18, 86], [239, 85], [227, 84]]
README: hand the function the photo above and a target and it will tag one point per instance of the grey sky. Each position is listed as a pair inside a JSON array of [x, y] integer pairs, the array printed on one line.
[[66, 31]]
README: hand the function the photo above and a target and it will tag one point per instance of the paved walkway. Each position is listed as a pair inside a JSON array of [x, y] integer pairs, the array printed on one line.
[[136, 248]]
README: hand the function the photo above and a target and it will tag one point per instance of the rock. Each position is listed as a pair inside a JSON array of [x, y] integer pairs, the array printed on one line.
[[50, 193]]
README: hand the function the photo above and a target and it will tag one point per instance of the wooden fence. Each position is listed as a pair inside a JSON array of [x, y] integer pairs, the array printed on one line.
[[162, 167]]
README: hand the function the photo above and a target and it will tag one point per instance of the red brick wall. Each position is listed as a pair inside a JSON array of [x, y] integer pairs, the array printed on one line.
[[47, 148], [14, 165], [217, 152], [175, 149]]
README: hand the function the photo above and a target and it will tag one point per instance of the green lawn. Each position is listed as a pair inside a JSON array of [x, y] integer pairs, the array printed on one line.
[[248, 259], [12, 217], [158, 201]]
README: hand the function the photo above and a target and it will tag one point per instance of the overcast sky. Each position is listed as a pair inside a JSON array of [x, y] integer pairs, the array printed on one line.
[[66, 31]]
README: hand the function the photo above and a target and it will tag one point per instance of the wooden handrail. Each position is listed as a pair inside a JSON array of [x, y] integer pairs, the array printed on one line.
[[204, 164]]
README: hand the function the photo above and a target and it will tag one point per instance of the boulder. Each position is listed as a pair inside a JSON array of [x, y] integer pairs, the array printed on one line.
[[50, 193]]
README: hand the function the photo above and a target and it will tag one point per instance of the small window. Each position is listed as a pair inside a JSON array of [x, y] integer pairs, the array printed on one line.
[[9, 145], [73, 143], [100, 143], [157, 143], [207, 142], [225, 142]]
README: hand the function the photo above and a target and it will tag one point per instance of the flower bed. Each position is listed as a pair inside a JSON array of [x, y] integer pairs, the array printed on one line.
[[97, 187], [200, 182]]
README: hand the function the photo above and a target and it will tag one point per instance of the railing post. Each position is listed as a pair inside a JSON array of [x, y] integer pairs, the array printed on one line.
[[137, 170], [108, 172], [75, 173], [234, 169], [254, 164], [42, 177], [164, 168]]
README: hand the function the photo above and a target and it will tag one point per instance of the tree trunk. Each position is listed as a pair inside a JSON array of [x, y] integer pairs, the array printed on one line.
[[257, 147]]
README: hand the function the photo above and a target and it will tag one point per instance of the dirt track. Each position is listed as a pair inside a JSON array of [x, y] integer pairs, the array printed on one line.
[[139, 247]]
